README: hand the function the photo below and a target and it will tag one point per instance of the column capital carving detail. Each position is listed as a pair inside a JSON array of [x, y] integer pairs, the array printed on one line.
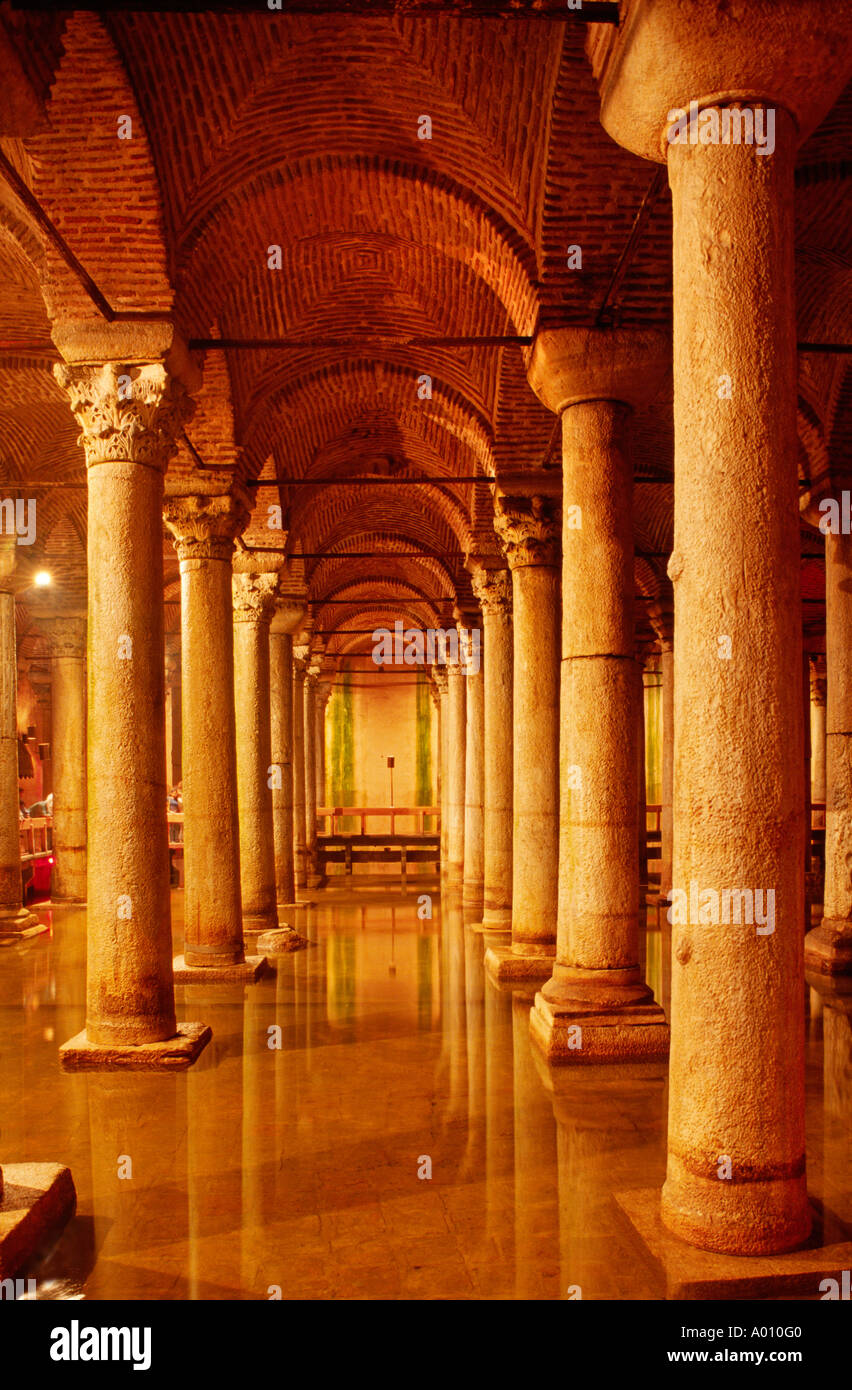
[[130, 413], [289, 615], [301, 658], [67, 636], [818, 680], [205, 527], [528, 530], [493, 588], [254, 597]]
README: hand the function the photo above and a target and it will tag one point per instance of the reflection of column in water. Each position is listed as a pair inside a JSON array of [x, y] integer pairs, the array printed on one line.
[[611, 1136], [425, 973], [454, 1051], [258, 1155], [499, 1139], [837, 1108], [133, 1130], [475, 1031], [536, 1180], [214, 1148]]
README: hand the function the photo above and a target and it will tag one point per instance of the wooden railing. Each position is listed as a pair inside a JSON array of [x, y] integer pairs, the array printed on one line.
[[362, 813], [36, 837]]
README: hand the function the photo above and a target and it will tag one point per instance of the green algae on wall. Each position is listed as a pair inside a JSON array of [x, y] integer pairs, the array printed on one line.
[[423, 736], [341, 746]]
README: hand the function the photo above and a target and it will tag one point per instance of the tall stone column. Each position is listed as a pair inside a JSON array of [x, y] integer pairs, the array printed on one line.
[[310, 716], [288, 618], [301, 656], [130, 414], [322, 697], [456, 763], [68, 655], [828, 947], [493, 588], [736, 1151], [15, 919], [439, 676], [590, 378], [254, 596], [174, 719], [204, 518], [666, 823], [474, 777], [528, 530], [819, 689]]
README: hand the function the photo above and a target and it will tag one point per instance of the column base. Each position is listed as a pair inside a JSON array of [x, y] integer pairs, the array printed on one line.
[[828, 948], [172, 1054], [242, 972], [508, 964], [20, 924], [281, 942], [603, 1029], [693, 1274], [38, 1199]]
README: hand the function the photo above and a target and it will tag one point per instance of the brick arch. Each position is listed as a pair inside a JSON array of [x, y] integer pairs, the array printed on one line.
[[345, 201], [119, 237], [308, 404]]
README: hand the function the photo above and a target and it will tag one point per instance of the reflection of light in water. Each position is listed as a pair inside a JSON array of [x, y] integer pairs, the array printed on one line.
[[53, 1290], [49, 1035]]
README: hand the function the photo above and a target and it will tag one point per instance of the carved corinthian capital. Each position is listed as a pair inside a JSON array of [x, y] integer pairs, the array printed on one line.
[[67, 637], [254, 597], [493, 588], [528, 529], [204, 527], [301, 658], [818, 680], [130, 414]]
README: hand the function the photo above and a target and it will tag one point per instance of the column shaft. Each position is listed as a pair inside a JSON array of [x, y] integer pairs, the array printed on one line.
[[497, 656], [281, 684], [310, 718], [474, 782], [253, 598], [828, 949], [667, 678], [68, 877], [14, 917], [301, 870], [213, 931], [737, 993], [455, 770]]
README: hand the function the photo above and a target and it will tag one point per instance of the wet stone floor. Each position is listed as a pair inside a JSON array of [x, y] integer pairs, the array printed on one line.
[[293, 1155]]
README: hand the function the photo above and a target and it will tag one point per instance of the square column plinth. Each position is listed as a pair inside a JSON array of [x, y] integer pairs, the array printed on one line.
[[38, 1200], [566, 1033], [693, 1274], [242, 972], [508, 966], [281, 942], [172, 1054]]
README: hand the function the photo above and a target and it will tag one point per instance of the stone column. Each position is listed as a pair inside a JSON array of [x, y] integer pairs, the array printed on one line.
[[474, 778], [310, 717], [528, 530], [493, 588], [174, 718], [203, 524], [322, 695], [666, 824], [288, 617], [818, 706], [456, 761], [15, 919], [590, 378], [130, 415], [439, 676], [68, 652], [254, 601], [301, 654], [828, 947], [737, 992]]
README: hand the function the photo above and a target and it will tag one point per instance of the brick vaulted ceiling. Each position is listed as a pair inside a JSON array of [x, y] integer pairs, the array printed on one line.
[[300, 132]]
